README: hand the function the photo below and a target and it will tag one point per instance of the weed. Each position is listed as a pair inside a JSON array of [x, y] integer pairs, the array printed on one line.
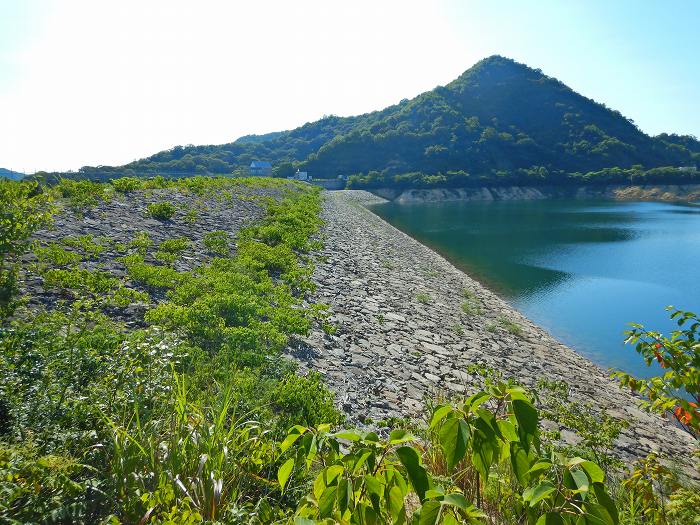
[[511, 327], [423, 298], [162, 210], [218, 242]]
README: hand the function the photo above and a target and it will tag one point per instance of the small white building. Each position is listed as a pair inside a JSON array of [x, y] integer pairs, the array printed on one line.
[[301, 175]]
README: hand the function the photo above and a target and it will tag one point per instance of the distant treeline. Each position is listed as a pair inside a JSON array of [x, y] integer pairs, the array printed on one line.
[[535, 176]]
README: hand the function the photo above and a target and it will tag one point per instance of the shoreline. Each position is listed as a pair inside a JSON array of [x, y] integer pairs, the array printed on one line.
[[402, 335], [687, 193]]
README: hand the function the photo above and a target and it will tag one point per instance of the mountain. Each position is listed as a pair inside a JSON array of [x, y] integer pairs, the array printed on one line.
[[9, 174], [500, 120]]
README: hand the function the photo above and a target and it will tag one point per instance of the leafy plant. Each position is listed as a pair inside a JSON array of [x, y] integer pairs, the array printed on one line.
[[363, 479], [55, 255], [141, 242], [510, 326], [126, 184], [677, 390], [25, 209], [174, 245], [90, 246], [218, 242], [81, 193], [423, 298], [162, 210]]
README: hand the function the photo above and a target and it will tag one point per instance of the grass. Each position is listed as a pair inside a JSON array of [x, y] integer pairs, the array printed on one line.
[[471, 305], [510, 326], [424, 298]]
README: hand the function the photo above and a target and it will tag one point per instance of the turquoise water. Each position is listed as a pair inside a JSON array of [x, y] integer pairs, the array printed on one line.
[[582, 269]]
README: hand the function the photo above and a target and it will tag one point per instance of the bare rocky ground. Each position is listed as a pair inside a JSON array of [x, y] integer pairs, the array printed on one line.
[[402, 334], [115, 223]]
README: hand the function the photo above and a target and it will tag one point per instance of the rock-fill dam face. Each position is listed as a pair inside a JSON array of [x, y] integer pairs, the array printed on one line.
[[404, 336]]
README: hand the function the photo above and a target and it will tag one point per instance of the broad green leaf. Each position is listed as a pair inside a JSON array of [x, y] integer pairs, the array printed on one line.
[[484, 443], [343, 494], [597, 514], [508, 430], [435, 492], [519, 462], [360, 462], [456, 500], [400, 436], [439, 414], [606, 501], [551, 518], [319, 484], [333, 472], [348, 435], [580, 479], [291, 439], [326, 502], [323, 428], [429, 512], [372, 437], [518, 392], [374, 486], [284, 472], [539, 467], [537, 493], [473, 401], [416, 473], [449, 519], [396, 505], [594, 472], [454, 436], [527, 418], [303, 521]]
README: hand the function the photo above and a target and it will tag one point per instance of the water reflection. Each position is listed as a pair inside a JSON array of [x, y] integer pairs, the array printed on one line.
[[583, 269]]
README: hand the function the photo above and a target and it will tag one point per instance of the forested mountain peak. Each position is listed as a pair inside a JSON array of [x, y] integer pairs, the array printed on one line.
[[499, 120]]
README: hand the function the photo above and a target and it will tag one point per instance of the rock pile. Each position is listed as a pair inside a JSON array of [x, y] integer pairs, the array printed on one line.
[[405, 335]]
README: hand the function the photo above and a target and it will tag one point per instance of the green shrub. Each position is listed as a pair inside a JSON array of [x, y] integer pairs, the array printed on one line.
[[55, 255], [86, 281], [126, 184], [150, 275], [25, 209], [162, 210], [218, 242], [82, 193], [174, 245], [488, 440], [305, 401], [677, 391], [141, 243], [88, 244]]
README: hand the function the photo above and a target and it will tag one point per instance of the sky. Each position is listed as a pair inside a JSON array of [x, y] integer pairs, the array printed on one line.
[[86, 82]]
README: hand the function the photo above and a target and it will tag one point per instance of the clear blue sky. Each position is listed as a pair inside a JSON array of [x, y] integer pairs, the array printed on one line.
[[85, 82]]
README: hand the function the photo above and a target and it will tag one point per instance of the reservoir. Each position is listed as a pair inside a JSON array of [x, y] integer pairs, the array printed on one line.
[[582, 269]]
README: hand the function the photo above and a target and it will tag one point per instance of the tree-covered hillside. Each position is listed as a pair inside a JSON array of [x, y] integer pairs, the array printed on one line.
[[499, 121], [9, 174]]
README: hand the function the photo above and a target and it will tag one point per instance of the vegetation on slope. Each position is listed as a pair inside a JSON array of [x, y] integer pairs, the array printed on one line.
[[195, 417], [500, 122]]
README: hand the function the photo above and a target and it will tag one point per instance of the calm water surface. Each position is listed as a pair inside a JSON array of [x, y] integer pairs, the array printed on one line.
[[581, 269]]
